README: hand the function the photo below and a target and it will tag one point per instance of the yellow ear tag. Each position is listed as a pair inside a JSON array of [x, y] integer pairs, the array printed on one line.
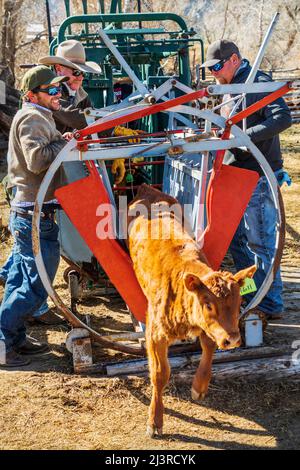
[[248, 287]]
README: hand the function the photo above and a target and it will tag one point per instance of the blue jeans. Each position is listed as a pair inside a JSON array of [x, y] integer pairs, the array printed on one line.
[[4, 274], [254, 243], [24, 292]]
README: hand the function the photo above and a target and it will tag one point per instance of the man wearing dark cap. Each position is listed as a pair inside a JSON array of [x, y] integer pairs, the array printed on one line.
[[254, 240], [34, 143]]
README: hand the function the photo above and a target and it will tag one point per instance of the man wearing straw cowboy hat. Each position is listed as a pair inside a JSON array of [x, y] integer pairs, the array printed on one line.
[[70, 61]]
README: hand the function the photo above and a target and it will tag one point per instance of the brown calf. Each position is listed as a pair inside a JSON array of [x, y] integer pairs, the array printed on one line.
[[186, 298]]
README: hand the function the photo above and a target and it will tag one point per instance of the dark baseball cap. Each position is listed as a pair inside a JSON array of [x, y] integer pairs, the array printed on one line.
[[220, 50], [40, 75]]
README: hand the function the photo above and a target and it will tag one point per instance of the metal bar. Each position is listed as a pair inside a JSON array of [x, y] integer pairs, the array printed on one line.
[[163, 147], [139, 11], [259, 57], [201, 208], [259, 104], [118, 18], [124, 188], [101, 6], [137, 83], [256, 65], [157, 162], [125, 138], [237, 88], [49, 21], [134, 32], [236, 105], [171, 120], [115, 4], [147, 110], [68, 13]]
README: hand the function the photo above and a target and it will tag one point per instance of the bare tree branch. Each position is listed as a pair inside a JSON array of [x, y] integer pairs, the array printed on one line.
[[37, 38], [261, 13], [225, 19]]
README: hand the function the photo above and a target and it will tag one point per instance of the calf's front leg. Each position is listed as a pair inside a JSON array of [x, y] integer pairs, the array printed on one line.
[[203, 373], [159, 375]]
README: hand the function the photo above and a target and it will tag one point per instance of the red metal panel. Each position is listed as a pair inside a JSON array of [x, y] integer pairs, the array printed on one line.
[[81, 200]]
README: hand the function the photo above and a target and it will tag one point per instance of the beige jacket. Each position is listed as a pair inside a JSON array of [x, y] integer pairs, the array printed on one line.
[[34, 142]]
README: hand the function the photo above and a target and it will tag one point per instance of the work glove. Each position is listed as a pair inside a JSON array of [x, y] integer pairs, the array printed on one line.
[[118, 166], [118, 170], [120, 130]]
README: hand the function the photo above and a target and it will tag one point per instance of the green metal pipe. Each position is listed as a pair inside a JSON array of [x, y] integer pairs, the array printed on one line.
[[85, 10], [53, 46], [119, 18], [67, 7], [116, 4], [101, 6], [68, 13], [84, 6]]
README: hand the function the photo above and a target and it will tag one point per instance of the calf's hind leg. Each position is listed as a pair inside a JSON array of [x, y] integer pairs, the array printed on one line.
[[159, 375]]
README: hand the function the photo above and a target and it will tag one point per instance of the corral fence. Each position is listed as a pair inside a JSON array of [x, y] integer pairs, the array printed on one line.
[[293, 97]]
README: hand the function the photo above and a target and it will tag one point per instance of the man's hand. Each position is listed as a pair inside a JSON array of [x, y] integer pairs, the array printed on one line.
[[68, 136]]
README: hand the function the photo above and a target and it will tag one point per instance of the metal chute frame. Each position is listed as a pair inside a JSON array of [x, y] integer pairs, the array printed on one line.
[[71, 153], [144, 55], [119, 29]]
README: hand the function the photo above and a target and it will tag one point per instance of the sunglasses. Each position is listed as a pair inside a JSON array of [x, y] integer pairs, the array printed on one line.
[[51, 91], [217, 67], [78, 73]]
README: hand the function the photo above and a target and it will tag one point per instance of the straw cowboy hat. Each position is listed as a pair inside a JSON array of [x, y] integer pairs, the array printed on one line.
[[71, 54]]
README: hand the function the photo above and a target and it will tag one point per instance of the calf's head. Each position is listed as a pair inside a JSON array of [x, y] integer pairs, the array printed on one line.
[[216, 306]]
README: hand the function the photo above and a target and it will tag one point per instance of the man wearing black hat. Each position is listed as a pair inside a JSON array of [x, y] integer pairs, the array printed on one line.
[[254, 240], [34, 143]]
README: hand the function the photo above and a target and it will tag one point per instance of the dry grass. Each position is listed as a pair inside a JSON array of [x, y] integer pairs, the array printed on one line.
[[291, 194], [46, 406]]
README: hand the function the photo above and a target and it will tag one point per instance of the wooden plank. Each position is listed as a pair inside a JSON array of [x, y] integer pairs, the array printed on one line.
[[293, 305], [290, 283], [125, 336], [291, 275], [290, 269], [270, 369], [290, 286], [140, 366], [291, 296]]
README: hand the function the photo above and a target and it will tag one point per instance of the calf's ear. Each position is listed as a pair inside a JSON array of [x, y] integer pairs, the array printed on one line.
[[193, 283], [242, 275]]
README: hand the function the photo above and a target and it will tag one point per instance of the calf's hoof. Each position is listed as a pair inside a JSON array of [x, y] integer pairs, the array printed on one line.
[[153, 430], [197, 396]]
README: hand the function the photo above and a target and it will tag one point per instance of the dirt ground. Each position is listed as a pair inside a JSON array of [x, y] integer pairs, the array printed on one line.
[[47, 406]]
